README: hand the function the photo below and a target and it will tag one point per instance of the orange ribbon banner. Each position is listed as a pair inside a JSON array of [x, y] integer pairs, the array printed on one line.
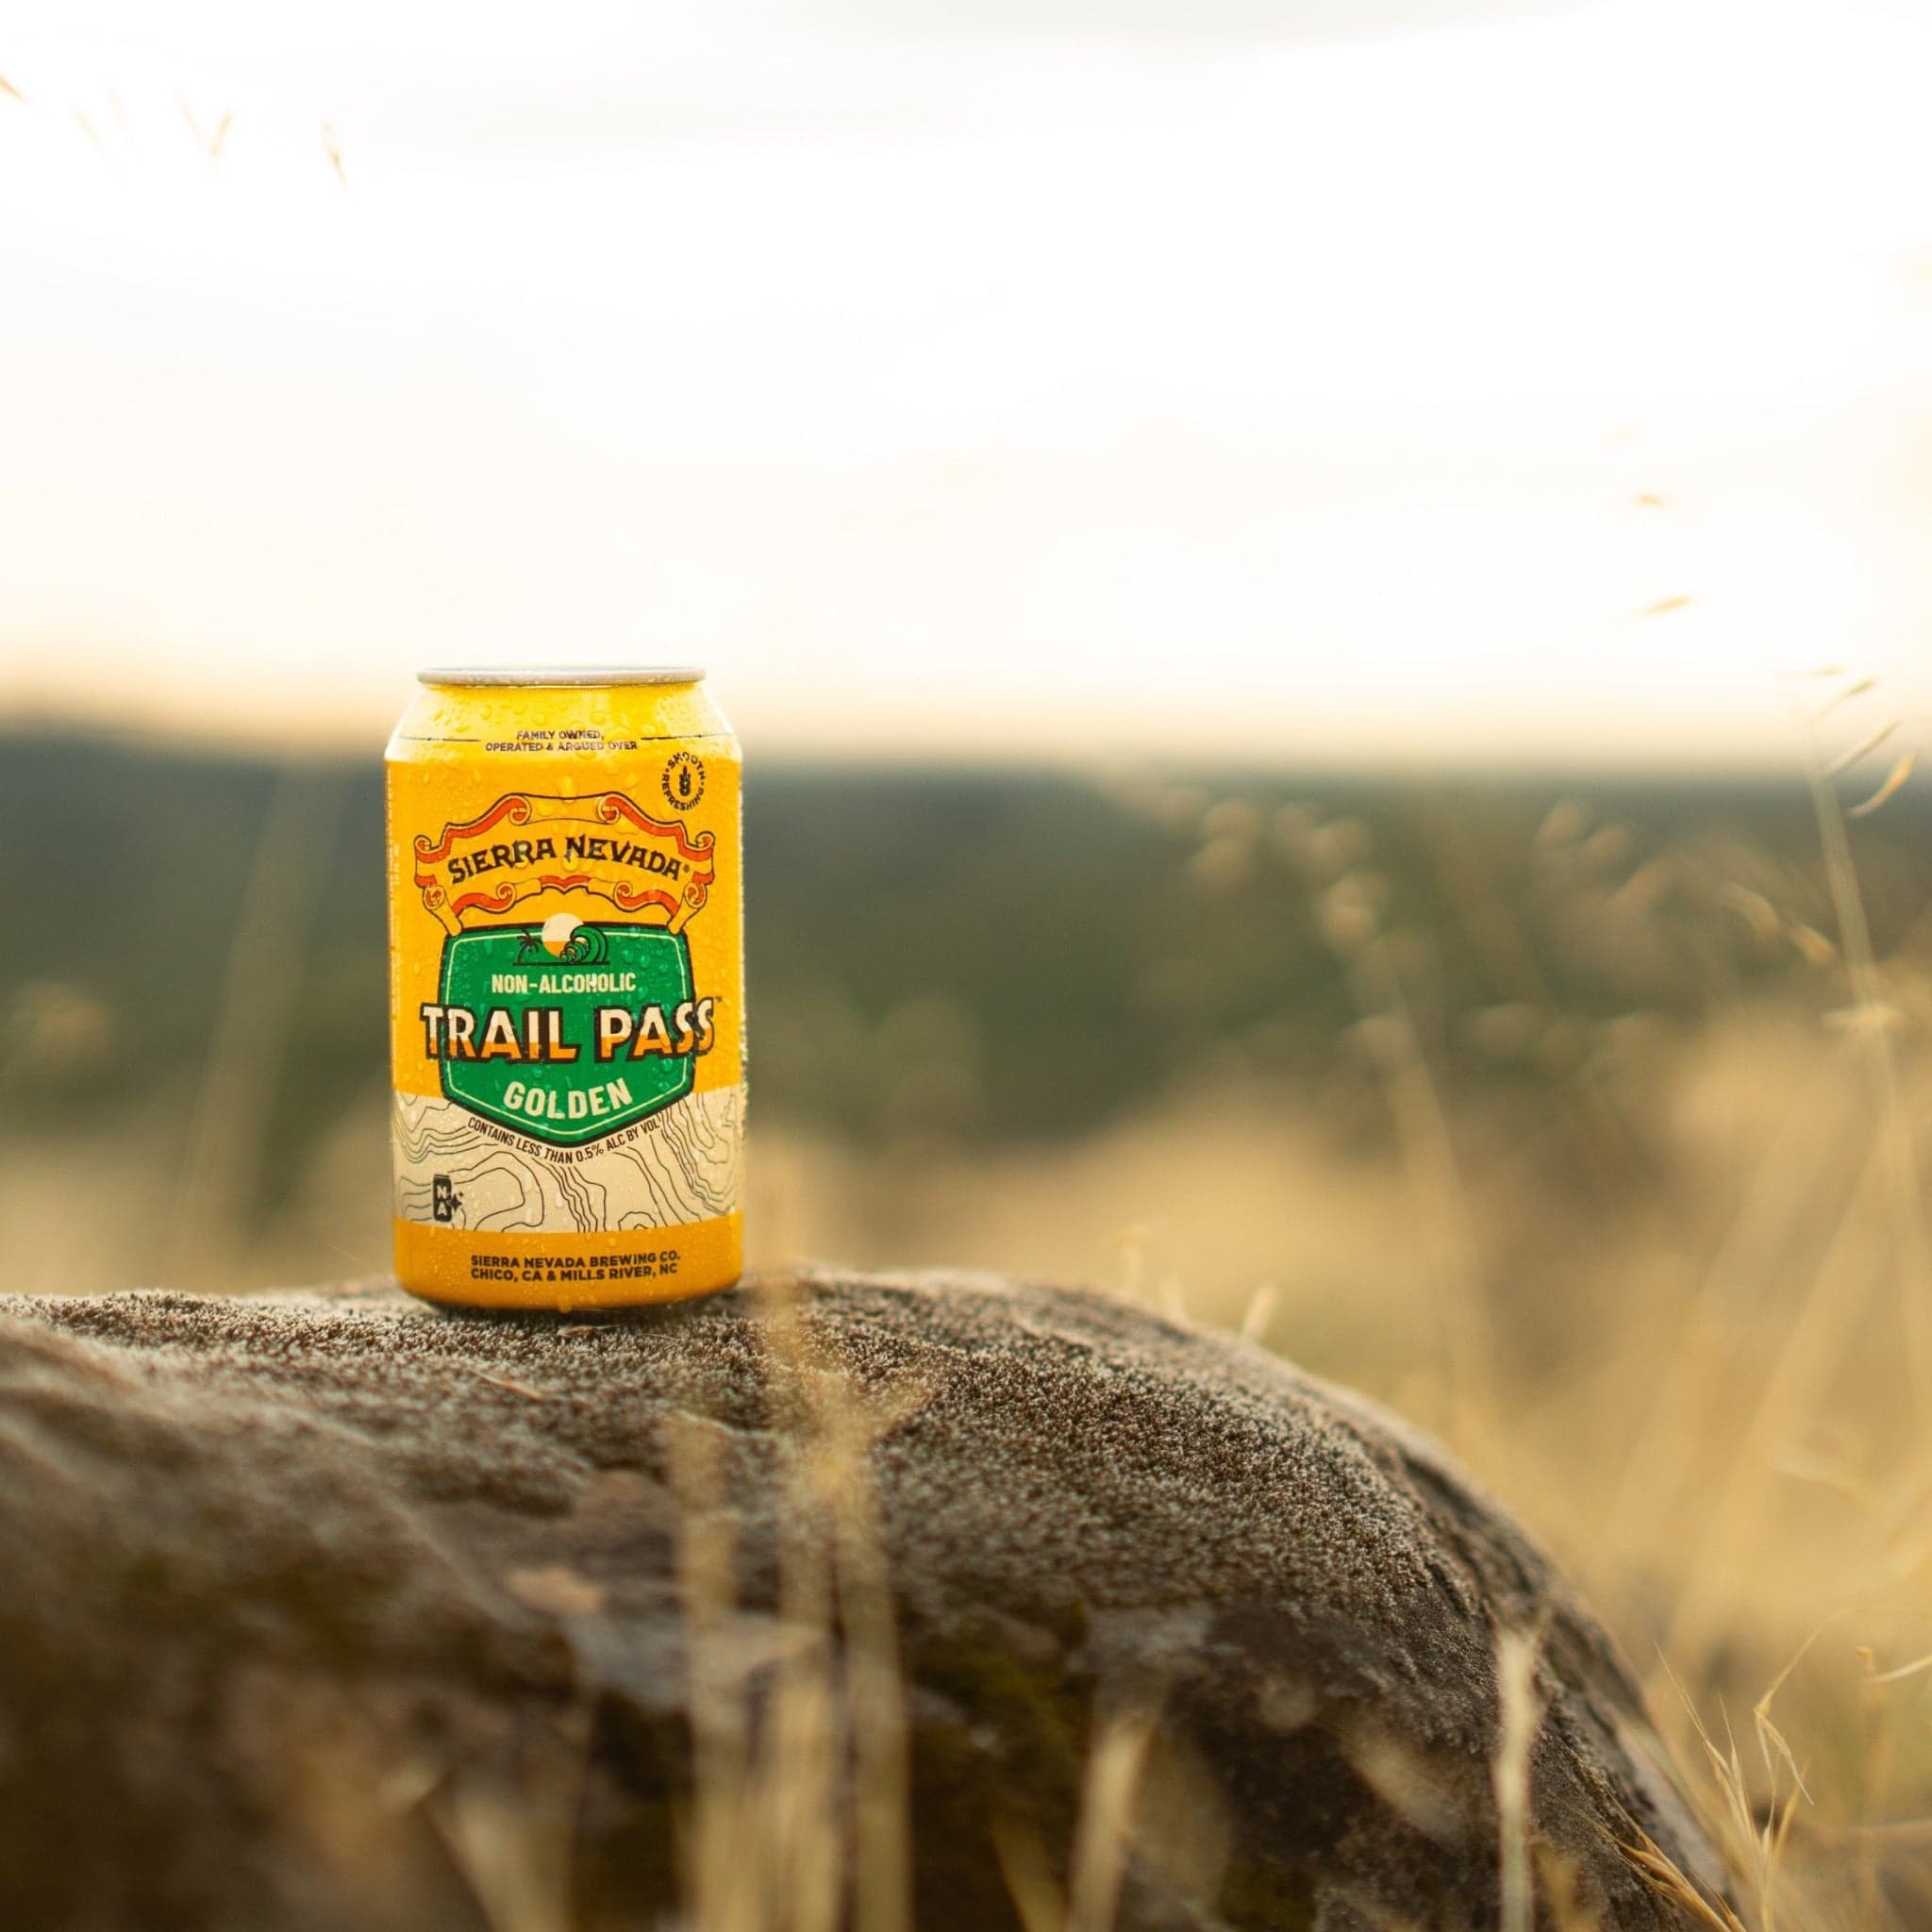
[[601, 844]]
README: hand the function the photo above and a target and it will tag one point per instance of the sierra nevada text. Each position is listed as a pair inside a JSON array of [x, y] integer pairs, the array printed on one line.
[[517, 852]]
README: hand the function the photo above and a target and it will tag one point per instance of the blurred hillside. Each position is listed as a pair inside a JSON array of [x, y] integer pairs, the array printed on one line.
[[974, 956]]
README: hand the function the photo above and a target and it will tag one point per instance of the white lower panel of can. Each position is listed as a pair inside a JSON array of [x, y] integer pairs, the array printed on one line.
[[454, 1169]]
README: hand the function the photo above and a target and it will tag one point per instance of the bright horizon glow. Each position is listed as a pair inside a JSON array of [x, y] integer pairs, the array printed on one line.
[[971, 389]]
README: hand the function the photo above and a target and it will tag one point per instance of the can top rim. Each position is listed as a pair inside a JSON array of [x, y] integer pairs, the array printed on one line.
[[557, 676]]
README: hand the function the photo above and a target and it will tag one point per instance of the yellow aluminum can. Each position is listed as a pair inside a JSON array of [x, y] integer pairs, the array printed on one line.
[[566, 989]]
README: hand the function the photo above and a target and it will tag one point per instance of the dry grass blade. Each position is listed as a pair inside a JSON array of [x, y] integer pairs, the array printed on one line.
[[1115, 1766], [1895, 781], [1260, 1312], [1729, 1773], [1562, 1894], [510, 1384], [1812, 946], [1385, 1029], [1758, 913], [12, 92], [883, 1877], [1106, 1807], [838, 1429], [1903, 1671], [1882, 1018], [1896, 1131], [332, 148], [1029, 1875], [1757, 1837], [211, 144], [514, 1848], [1672, 1883], [1858, 689], [1664, 605], [241, 1075], [1772, 1742], [1864, 748], [718, 1877], [1522, 1719]]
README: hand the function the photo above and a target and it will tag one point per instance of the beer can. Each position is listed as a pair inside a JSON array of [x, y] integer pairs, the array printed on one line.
[[566, 989]]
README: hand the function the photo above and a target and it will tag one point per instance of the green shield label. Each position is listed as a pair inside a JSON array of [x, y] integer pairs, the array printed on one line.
[[564, 1047]]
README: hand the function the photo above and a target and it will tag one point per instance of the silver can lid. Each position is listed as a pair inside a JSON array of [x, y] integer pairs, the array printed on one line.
[[557, 676]]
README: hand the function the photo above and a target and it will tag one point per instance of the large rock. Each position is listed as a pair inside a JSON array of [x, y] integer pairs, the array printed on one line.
[[341, 1612]]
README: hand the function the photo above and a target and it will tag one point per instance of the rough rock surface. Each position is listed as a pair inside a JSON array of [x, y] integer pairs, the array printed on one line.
[[335, 1611]]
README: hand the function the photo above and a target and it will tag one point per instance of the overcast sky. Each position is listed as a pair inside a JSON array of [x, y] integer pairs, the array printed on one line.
[[1324, 376]]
